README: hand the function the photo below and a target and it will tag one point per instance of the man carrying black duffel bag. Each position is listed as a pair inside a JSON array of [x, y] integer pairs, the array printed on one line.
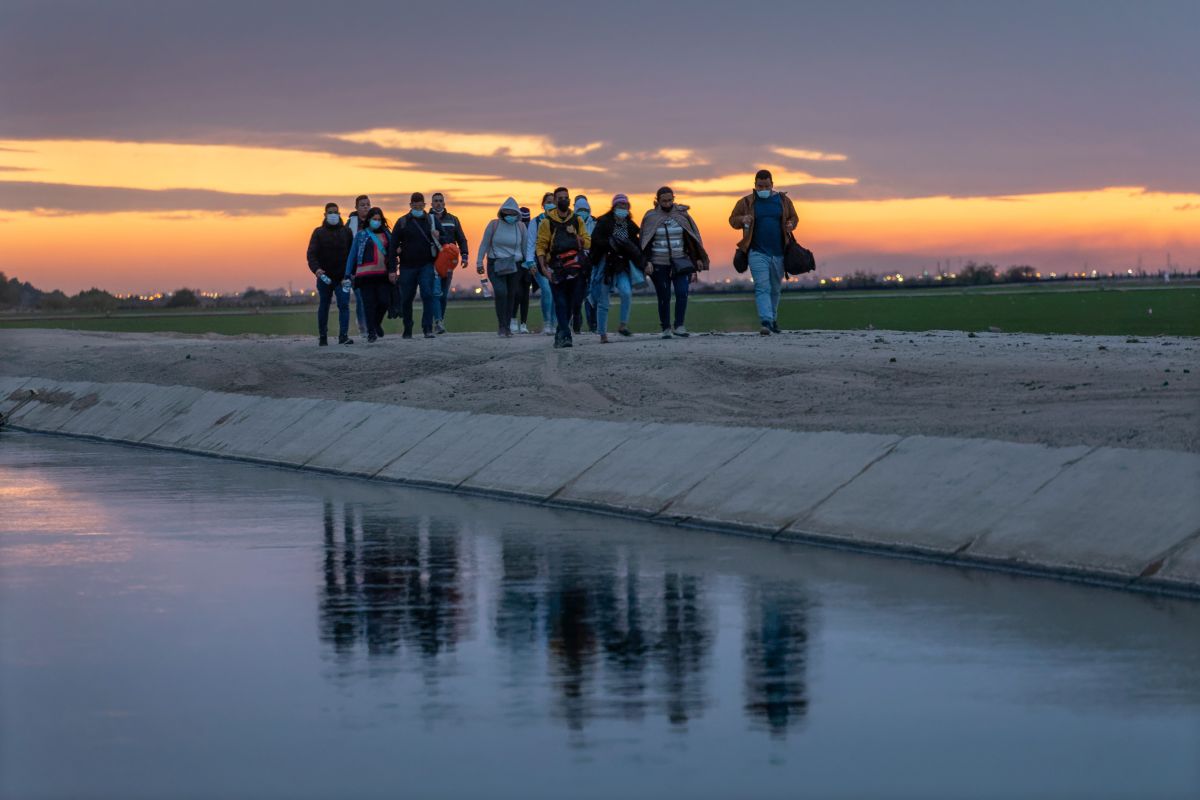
[[767, 219]]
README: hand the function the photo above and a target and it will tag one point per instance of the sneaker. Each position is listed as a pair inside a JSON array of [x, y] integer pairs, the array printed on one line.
[[371, 338], [503, 332], [430, 335], [438, 327], [682, 331], [548, 331], [508, 334], [322, 341], [345, 340], [406, 335], [666, 334], [775, 327], [512, 326], [567, 342], [624, 331], [558, 342], [765, 330], [523, 328], [604, 338]]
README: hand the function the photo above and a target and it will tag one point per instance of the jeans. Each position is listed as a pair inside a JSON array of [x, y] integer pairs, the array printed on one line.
[[596, 287], [360, 311], [376, 297], [663, 284], [547, 297], [520, 299], [504, 287], [410, 279], [577, 303], [567, 295], [625, 289], [326, 292], [767, 272], [441, 285]]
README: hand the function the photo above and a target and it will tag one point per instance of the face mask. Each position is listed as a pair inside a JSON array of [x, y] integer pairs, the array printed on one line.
[[333, 219], [376, 224], [583, 214], [418, 212], [548, 207], [511, 219], [763, 193], [564, 204], [621, 213]]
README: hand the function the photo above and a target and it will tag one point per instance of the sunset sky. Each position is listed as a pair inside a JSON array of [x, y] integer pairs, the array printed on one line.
[[195, 143]]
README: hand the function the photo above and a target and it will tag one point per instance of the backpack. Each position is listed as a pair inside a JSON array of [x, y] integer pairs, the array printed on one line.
[[447, 259], [567, 259]]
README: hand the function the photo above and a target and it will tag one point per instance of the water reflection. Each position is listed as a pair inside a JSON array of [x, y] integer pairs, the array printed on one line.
[[391, 584], [610, 637]]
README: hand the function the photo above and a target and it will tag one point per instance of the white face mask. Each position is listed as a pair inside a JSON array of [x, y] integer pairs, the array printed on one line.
[[333, 218]]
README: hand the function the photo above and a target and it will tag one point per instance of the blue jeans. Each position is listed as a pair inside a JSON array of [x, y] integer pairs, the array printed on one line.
[[326, 292], [625, 289], [410, 279], [663, 284], [546, 296], [441, 290], [567, 295], [360, 311], [767, 272]]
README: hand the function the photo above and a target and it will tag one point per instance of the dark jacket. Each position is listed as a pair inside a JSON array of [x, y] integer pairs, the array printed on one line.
[[414, 242], [328, 248], [616, 258], [451, 230]]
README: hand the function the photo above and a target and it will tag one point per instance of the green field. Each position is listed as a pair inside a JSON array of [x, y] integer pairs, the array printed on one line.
[[1141, 312]]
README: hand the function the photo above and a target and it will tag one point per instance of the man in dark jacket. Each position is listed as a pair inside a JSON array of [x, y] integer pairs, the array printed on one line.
[[328, 248], [450, 231], [413, 247]]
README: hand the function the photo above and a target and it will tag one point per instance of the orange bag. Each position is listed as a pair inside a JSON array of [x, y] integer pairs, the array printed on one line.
[[447, 260]]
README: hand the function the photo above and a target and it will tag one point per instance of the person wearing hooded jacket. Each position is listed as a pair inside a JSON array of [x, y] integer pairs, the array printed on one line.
[[671, 243], [767, 219], [328, 249], [545, 296], [503, 244], [614, 251]]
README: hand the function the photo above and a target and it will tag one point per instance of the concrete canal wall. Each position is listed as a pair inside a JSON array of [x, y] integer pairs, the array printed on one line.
[[1128, 518]]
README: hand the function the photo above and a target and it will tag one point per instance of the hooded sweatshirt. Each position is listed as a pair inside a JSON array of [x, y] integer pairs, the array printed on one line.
[[502, 240], [581, 204]]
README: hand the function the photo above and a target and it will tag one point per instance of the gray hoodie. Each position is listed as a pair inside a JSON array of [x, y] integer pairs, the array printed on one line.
[[501, 240]]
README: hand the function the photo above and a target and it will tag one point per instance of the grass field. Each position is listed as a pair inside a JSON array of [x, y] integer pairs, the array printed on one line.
[[1142, 312]]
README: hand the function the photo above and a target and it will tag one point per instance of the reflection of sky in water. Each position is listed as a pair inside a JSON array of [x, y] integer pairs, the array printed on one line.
[[284, 634]]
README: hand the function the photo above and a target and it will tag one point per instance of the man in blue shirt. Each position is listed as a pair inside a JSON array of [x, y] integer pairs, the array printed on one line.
[[767, 219]]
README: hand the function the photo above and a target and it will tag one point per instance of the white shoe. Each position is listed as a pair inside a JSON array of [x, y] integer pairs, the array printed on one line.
[[512, 325], [681, 331], [524, 328], [666, 334], [548, 331]]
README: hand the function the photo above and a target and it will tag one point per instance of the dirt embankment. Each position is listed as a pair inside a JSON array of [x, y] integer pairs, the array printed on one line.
[[1057, 390]]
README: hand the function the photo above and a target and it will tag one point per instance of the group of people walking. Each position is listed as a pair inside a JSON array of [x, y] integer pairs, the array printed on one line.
[[576, 260]]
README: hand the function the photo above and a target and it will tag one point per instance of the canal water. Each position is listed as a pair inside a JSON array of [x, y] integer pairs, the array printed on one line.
[[176, 626]]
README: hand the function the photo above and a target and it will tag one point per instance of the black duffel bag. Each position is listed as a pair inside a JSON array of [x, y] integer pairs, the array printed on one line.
[[741, 260], [797, 259]]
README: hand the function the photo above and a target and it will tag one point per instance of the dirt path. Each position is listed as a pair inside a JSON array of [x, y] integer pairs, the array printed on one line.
[[1058, 390]]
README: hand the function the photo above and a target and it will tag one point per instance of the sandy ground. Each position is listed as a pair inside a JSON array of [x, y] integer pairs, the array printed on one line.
[[1056, 390]]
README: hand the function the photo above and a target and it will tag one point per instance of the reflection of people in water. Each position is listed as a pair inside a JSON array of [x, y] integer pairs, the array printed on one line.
[[775, 652], [683, 646], [394, 586]]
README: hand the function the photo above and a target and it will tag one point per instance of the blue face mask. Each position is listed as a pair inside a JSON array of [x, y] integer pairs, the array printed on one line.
[[621, 213], [582, 214], [376, 224], [418, 212], [333, 218], [511, 219], [549, 207], [763, 193]]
